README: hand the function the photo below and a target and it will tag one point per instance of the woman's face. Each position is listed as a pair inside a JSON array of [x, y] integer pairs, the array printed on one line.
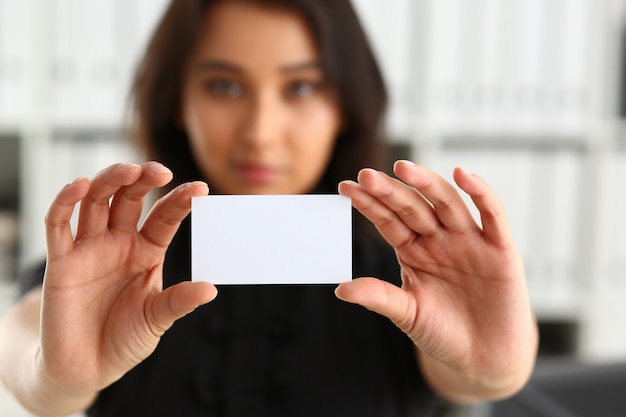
[[259, 115]]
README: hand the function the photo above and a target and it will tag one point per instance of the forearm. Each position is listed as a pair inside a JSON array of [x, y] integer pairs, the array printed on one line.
[[20, 368], [476, 385]]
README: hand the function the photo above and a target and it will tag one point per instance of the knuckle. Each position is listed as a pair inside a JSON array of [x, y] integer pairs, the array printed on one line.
[[168, 220], [133, 197], [407, 210]]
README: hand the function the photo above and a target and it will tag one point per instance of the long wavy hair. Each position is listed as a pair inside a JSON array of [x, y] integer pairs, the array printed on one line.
[[347, 61]]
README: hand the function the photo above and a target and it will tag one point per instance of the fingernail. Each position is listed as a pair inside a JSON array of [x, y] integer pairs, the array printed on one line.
[[405, 162], [79, 179], [464, 171], [159, 168], [337, 292], [126, 165], [191, 184], [368, 170]]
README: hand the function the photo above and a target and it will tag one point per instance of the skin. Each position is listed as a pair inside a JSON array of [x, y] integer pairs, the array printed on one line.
[[463, 301], [255, 103], [100, 315]]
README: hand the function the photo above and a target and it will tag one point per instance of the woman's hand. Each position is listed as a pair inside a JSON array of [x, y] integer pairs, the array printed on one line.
[[463, 300], [103, 306]]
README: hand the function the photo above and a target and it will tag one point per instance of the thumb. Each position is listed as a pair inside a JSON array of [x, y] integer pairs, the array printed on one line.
[[381, 297], [176, 302]]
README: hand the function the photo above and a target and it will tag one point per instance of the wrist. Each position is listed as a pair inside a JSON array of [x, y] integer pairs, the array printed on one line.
[[490, 382], [471, 387], [52, 398]]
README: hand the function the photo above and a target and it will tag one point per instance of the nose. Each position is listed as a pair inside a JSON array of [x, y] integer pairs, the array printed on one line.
[[264, 120]]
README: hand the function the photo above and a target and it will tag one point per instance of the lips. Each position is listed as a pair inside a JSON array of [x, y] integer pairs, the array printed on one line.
[[257, 173]]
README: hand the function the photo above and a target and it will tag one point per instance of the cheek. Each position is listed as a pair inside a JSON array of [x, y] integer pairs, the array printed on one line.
[[208, 128], [207, 140], [321, 130], [317, 141], [200, 140]]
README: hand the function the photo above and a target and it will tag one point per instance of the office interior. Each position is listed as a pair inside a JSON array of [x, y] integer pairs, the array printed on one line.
[[527, 93]]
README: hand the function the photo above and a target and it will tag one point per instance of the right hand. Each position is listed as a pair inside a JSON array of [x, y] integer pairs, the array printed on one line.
[[103, 305]]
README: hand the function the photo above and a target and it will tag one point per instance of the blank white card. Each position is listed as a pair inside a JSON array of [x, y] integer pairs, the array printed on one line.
[[271, 239]]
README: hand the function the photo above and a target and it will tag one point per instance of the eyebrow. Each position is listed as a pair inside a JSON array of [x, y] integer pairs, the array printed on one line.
[[218, 65], [302, 66], [221, 65]]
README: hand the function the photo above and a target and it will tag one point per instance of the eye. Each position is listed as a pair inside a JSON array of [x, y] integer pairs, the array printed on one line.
[[301, 89], [224, 88]]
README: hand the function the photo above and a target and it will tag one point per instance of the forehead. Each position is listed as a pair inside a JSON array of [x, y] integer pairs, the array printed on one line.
[[244, 32]]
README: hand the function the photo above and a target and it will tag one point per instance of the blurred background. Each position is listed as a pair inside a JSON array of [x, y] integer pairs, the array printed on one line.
[[527, 93]]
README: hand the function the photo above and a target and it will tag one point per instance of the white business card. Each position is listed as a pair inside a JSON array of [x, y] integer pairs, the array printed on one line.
[[271, 239]]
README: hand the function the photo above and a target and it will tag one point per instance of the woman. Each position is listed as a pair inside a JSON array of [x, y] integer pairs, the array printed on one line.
[[267, 97]]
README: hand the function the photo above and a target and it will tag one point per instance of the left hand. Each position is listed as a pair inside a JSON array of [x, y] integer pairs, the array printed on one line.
[[463, 300]]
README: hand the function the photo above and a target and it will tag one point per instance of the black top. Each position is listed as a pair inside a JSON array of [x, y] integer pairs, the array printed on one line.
[[274, 350]]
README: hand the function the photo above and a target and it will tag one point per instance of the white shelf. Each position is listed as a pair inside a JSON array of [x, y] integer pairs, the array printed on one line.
[[522, 92], [525, 93]]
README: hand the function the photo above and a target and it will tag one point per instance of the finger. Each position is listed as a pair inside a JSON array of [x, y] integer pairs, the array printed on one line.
[[164, 219], [492, 214], [127, 204], [176, 302], [383, 298], [94, 208], [408, 204], [59, 238], [449, 206], [386, 221]]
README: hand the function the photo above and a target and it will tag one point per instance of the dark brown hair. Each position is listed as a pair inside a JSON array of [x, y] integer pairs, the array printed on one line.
[[348, 64]]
